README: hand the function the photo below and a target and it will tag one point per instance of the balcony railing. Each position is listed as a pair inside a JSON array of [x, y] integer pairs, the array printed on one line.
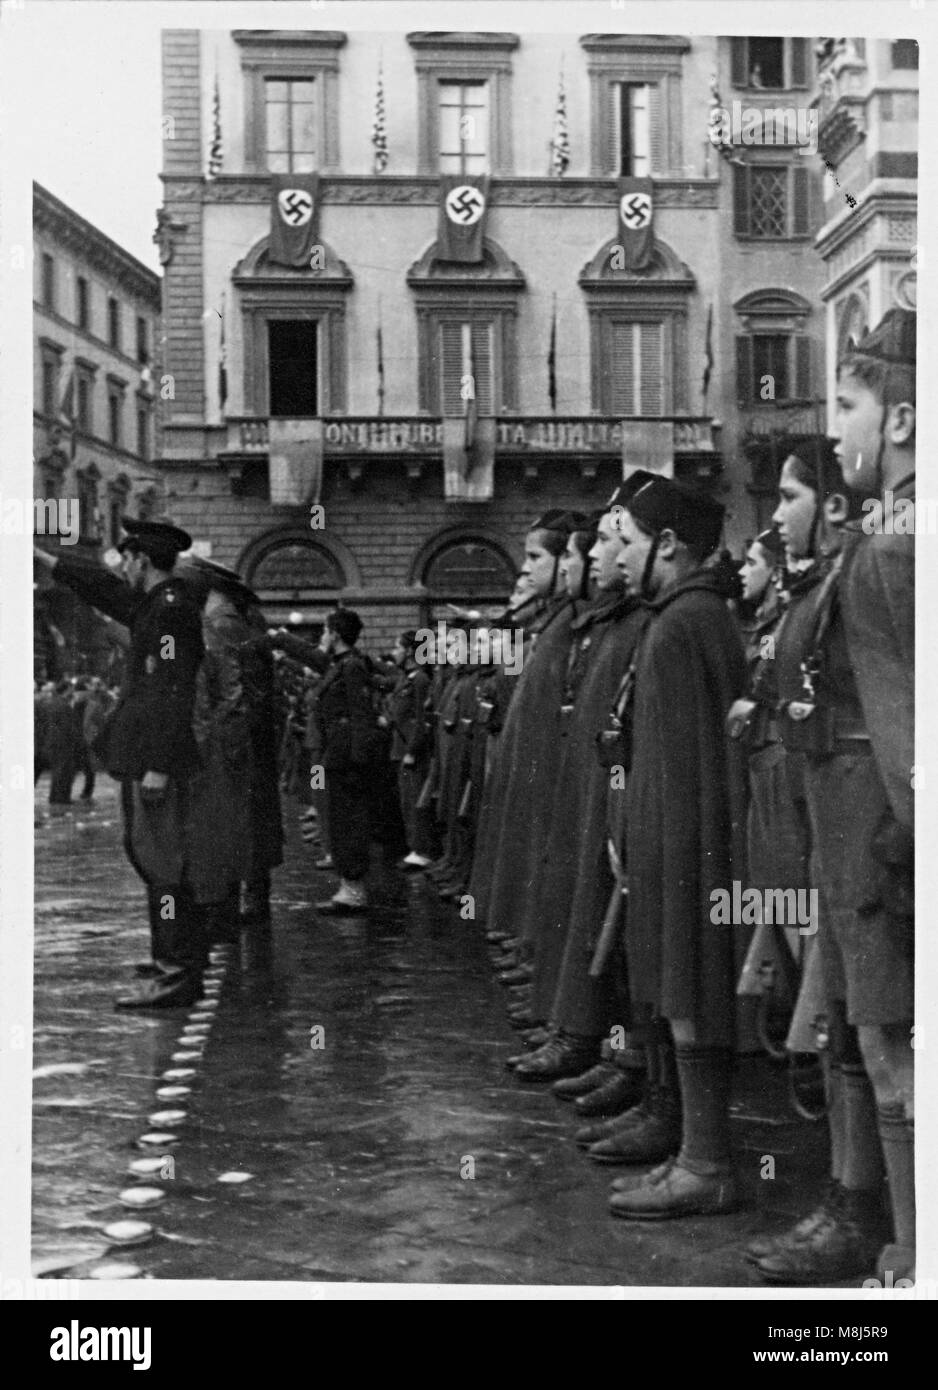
[[516, 435]]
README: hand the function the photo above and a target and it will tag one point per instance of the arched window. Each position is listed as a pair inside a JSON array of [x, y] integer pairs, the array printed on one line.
[[468, 570], [293, 568]]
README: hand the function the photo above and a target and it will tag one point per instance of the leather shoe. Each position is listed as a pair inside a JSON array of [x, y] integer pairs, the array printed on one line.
[[154, 969], [619, 1093], [653, 1137], [763, 1246], [539, 1038], [175, 992], [564, 1055], [570, 1087], [676, 1189], [587, 1135], [843, 1246]]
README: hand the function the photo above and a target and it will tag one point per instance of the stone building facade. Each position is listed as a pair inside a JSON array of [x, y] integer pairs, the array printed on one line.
[[376, 320], [96, 329]]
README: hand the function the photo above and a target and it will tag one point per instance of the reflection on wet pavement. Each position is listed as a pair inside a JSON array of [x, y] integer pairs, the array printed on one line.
[[349, 1116]]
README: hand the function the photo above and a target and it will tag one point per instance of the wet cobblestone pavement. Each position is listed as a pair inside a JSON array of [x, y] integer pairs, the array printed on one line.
[[293, 1161]]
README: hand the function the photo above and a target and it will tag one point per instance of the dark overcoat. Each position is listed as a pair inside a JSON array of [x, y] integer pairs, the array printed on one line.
[[682, 813]]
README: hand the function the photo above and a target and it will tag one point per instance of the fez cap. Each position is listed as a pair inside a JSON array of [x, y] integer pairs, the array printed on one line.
[[771, 542], [556, 519], [663, 505], [161, 540], [892, 340], [627, 489]]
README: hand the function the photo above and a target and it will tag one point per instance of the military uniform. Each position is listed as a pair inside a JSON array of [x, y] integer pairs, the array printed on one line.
[[150, 730]]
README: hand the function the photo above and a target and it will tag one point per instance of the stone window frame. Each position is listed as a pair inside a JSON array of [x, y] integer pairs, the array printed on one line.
[[294, 55], [798, 171], [291, 534], [775, 313], [740, 67], [490, 294], [118, 494], [660, 295], [143, 404], [87, 480], [51, 354], [267, 293], [85, 374], [464, 57], [637, 58]]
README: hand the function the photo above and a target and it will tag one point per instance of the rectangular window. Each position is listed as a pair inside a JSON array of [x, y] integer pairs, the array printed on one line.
[[143, 432], [905, 53], [635, 368], [115, 403], [88, 507], [772, 367], [81, 302], [639, 133], [117, 504], [769, 63], [85, 404], [48, 281], [290, 123], [771, 201], [143, 343], [50, 383], [113, 323], [464, 127], [293, 357], [461, 364]]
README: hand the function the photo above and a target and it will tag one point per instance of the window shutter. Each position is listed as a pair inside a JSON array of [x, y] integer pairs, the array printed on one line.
[[612, 154], [739, 73], [451, 368], [801, 213], [803, 378], [621, 370], [658, 161], [485, 376], [741, 199], [799, 62], [652, 374], [744, 369]]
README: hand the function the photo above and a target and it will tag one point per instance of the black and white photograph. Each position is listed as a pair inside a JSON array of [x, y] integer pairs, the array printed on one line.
[[472, 525]]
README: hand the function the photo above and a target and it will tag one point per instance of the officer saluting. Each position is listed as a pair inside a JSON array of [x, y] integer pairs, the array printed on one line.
[[147, 743]]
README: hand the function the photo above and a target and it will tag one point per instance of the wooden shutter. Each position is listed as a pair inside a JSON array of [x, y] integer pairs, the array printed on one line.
[[657, 145], [651, 401], [798, 63], [741, 199], [744, 394], [621, 370], [738, 65], [451, 367], [800, 199], [803, 375], [484, 367]]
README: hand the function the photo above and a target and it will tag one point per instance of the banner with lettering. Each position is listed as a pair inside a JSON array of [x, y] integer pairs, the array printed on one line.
[[468, 468], [648, 444]]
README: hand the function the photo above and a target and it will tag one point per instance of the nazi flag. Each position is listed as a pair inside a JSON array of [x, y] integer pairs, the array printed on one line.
[[634, 223], [464, 200], [294, 219]]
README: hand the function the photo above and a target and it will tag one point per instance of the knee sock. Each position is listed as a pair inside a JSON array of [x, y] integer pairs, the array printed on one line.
[[898, 1138], [863, 1158], [705, 1075]]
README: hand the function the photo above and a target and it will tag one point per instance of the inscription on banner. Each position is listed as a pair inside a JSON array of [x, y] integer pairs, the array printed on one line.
[[391, 436]]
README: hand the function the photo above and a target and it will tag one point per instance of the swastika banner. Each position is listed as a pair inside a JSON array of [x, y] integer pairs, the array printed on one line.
[[635, 231], [294, 219], [464, 205]]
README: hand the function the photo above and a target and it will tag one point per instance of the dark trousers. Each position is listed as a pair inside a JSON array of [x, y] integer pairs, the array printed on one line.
[[176, 928], [349, 796]]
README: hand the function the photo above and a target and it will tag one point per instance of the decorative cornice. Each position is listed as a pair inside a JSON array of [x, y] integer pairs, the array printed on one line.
[[497, 270], [57, 220], [415, 190], [635, 43], [294, 39], [428, 41]]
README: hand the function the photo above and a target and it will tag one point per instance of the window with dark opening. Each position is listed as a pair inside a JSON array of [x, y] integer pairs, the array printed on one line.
[[48, 281], [294, 367], [82, 301], [905, 53], [766, 62]]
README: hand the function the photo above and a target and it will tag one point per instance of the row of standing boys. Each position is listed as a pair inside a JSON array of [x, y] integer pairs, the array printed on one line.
[[666, 752]]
